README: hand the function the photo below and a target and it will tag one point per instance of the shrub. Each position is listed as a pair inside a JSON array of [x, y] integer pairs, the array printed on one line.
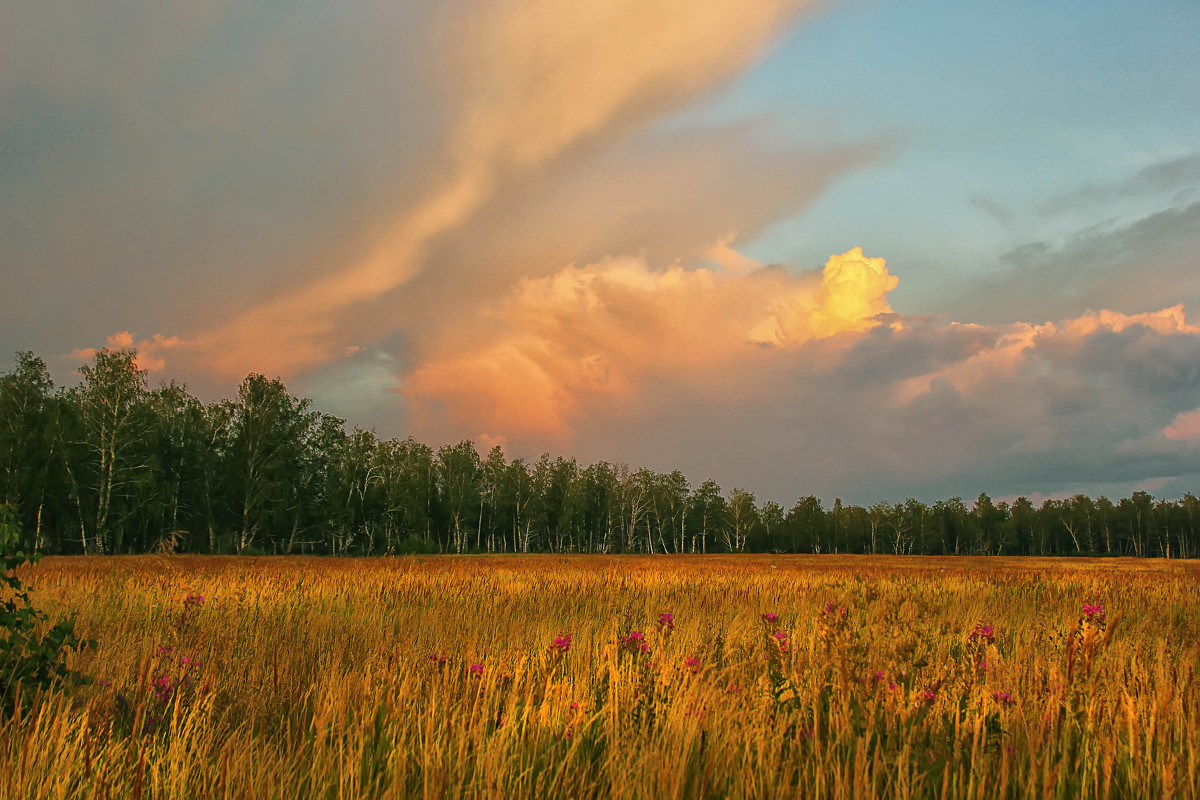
[[32, 654]]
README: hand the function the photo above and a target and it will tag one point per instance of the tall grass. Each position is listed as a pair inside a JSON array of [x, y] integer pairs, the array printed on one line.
[[439, 677]]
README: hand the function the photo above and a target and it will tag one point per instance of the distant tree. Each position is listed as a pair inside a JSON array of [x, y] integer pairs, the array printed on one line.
[[743, 517], [107, 445], [28, 445], [805, 520], [707, 509], [773, 521], [268, 433], [459, 471]]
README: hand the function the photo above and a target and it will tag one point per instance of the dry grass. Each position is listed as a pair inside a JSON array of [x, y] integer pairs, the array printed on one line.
[[315, 678]]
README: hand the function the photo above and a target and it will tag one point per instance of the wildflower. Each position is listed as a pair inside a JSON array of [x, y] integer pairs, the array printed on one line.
[[876, 678], [928, 696], [164, 650], [692, 664], [1003, 698], [161, 686], [831, 608], [780, 638], [635, 642], [438, 660], [562, 644], [983, 634], [666, 621], [575, 706], [476, 669], [193, 601], [770, 617], [186, 662], [1094, 612]]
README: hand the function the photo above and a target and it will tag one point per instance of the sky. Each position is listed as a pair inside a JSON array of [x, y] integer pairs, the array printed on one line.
[[860, 249]]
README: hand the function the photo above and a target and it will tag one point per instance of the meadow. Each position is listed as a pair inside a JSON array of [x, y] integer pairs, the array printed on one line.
[[627, 677]]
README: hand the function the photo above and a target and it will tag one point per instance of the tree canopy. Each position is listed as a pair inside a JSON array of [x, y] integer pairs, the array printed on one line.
[[114, 466]]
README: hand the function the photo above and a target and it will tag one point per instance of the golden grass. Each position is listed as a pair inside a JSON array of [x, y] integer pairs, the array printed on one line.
[[315, 678]]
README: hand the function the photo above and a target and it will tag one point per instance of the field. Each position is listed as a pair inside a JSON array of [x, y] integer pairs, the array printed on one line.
[[626, 677]]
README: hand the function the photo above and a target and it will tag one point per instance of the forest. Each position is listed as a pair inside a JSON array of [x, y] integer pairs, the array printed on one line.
[[112, 466]]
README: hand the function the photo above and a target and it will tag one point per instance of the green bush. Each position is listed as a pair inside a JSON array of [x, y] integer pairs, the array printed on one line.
[[32, 653]]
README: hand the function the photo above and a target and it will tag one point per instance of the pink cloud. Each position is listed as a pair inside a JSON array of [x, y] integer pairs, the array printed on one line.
[[1185, 427]]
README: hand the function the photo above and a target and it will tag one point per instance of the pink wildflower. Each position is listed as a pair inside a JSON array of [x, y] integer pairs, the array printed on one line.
[[770, 617], [1003, 698], [692, 664], [562, 644], [666, 621], [476, 669], [635, 642], [161, 687], [983, 634]]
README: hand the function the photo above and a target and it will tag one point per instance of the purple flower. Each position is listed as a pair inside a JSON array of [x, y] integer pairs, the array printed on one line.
[[692, 664], [562, 644], [161, 687], [928, 696], [667, 621], [193, 600], [476, 669], [770, 617], [164, 650], [635, 642], [1094, 612], [1003, 698], [983, 633], [438, 660]]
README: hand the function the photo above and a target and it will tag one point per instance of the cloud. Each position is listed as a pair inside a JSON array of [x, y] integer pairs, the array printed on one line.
[[1140, 265], [1185, 427], [1171, 176], [605, 330], [807, 382], [151, 353], [525, 81]]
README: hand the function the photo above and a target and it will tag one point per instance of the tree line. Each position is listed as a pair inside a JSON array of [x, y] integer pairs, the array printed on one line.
[[113, 466]]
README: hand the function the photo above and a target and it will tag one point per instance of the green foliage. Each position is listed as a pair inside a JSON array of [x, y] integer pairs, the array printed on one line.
[[32, 655], [112, 466]]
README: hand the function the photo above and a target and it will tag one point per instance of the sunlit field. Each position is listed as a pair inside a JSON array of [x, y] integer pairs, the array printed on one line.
[[552, 676]]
